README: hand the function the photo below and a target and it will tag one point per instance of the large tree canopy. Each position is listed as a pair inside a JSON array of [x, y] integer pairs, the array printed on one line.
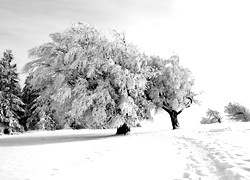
[[84, 77], [87, 78], [11, 105], [170, 87], [237, 112]]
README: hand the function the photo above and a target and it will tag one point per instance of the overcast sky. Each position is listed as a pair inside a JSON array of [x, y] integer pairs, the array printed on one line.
[[211, 37]]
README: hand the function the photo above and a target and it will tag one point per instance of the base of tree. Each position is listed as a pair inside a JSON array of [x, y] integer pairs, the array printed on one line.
[[177, 127], [6, 131], [77, 126], [124, 129], [175, 123]]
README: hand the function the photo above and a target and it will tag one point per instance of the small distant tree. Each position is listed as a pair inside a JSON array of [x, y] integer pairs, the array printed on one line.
[[11, 105], [237, 112], [170, 87], [213, 116]]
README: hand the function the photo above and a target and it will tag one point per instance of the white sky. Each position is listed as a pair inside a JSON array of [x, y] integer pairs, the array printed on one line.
[[211, 37]]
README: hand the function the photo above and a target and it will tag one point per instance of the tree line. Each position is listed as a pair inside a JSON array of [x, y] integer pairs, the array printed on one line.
[[84, 78]]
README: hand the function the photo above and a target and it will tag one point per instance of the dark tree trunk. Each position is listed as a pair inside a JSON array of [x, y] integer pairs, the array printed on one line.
[[124, 129], [173, 115], [219, 120], [174, 120]]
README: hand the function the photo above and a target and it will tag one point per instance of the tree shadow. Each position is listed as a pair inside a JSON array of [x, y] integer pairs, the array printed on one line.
[[47, 139], [42, 139]]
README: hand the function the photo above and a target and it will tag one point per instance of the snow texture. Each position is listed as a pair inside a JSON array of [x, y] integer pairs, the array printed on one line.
[[217, 151]]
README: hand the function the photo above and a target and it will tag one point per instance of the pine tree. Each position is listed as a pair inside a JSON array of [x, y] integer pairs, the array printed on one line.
[[29, 96], [11, 105]]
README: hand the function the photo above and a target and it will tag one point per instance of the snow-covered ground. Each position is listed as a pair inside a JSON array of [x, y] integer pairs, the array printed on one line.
[[218, 151]]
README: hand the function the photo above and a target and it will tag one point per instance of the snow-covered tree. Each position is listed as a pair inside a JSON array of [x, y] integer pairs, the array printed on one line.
[[32, 105], [213, 116], [89, 78], [170, 87], [237, 112], [11, 105]]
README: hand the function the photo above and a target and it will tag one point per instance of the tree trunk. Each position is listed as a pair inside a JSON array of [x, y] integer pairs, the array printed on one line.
[[174, 120], [219, 120], [124, 129]]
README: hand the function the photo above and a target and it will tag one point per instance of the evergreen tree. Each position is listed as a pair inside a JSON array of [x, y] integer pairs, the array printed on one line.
[[29, 96], [170, 87], [88, 79], [38, 111], [11, 105]]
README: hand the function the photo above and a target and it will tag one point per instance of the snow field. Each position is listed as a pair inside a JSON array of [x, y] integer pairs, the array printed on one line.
[[209, 152], [227, 149]]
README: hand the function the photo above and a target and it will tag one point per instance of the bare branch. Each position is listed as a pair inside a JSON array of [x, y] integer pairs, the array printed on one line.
[[180, 111], [187, 105]]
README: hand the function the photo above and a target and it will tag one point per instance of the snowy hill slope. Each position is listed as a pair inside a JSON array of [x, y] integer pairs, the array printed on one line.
[[217, 151]]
